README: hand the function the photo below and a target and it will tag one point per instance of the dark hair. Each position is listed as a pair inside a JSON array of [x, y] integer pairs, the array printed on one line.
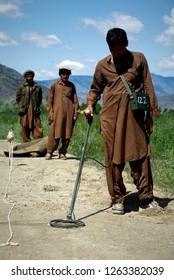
[[64, 71], [116, 36], [28, 72]]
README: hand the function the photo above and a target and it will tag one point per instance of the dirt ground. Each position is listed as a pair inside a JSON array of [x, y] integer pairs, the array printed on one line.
[[42, 192]]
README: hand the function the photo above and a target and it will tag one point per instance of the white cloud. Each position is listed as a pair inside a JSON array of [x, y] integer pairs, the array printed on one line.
[[66, 47], [45, 75], [10, 10], [77, 69], [41, 41], [167, 63], [90, 60], [6, 41], [130, 24], [77, 66], [167, 37]]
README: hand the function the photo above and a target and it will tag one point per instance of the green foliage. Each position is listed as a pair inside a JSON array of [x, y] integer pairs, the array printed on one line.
[[8, 106], [162, 153], [10, 121], [162, 139]]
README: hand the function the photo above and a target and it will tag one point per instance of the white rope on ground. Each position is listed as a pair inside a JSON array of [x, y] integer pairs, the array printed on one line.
[[10, 138]]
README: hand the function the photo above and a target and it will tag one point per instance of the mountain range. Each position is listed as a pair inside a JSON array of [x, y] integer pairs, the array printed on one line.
[[10, 79]]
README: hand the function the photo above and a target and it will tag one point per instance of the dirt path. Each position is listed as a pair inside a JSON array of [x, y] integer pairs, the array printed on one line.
[[43, 192]]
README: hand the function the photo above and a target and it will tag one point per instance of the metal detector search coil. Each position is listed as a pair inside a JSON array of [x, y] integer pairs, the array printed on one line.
[[66, 223]]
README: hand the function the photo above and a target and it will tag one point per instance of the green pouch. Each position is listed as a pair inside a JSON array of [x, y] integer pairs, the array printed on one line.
[[140, 101]]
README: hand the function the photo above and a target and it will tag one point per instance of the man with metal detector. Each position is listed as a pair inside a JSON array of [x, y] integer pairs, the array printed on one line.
[[129, 103]]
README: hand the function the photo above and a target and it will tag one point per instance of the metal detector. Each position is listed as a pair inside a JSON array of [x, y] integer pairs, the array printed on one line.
[[70, 222]]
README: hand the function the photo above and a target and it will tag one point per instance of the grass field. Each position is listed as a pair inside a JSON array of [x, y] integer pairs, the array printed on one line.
[[162, 141]]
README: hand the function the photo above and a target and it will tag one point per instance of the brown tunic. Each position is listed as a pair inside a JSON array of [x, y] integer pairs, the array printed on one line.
[[63, 104], [123, 130]]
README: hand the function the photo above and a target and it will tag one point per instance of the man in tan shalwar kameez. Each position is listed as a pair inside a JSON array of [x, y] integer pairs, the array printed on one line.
[[63, 108], [124, 132]]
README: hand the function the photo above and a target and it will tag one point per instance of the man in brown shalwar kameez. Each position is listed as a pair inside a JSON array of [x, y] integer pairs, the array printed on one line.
[[29, 99], [63, 108], [125, 132]]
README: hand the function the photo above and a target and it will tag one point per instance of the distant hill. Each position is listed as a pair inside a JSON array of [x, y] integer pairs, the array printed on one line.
[[163, 85], [10, 79]]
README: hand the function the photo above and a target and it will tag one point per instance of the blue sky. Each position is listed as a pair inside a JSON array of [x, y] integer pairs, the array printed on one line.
[[44, 34]]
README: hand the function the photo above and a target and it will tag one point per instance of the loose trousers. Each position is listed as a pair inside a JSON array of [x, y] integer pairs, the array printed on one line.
[[53, 143], [141, 174], [36, 129]]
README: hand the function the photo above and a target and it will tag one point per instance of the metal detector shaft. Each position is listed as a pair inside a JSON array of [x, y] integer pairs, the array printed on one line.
[[78, 177]]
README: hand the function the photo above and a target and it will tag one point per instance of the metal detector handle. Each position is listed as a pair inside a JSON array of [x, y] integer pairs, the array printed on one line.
[[77, 182]]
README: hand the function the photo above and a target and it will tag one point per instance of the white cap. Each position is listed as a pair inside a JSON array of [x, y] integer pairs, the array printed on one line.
[[65, 67]]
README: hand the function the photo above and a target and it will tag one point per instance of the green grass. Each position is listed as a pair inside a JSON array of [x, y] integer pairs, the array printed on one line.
[[162, 153], [162, 142]]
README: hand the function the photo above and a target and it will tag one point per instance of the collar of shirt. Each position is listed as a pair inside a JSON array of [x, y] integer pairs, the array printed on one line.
[[60, 82], [67, 84], [33, 86], [110, 58]]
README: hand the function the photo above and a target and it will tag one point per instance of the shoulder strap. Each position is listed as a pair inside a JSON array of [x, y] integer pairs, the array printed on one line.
[[127, 87]]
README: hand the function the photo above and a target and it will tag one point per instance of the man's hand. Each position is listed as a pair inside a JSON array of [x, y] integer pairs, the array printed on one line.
[[149, 125], [51, 117], [88, 112]]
